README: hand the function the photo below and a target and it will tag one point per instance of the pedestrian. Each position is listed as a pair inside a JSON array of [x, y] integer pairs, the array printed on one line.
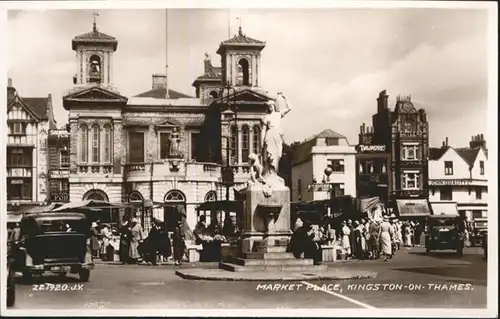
[[106, 236], [125, 237], [137, 237], [154, 242], [399, 233], [200, 230], [407, 235], [330, 234], [94, 239], [165, 243], [178, 243], [346, 243], [360, 240], [386, 235], [374, 242], [352, 239]]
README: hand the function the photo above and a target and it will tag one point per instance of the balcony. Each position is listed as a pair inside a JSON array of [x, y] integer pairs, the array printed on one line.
[[170, 168], [95, 169]]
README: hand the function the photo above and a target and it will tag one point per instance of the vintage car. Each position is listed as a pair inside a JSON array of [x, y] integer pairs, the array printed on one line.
[[11, 284], [443, 232], [485, 244], [479, 228], [53, 242]]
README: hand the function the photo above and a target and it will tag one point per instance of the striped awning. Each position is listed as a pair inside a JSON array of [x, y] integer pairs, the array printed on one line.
[[413, 207]]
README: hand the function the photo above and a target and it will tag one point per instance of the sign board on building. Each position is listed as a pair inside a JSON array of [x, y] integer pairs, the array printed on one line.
[[60, 197], [59, 174], [319, 187], [372, 148], [449, 182], [16, 181]]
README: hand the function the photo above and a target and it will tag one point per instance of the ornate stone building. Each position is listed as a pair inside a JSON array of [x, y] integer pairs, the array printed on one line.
[[29, 120], [162, 150], [402, 135]]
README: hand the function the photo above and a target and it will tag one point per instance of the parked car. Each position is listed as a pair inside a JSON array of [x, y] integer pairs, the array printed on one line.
[[484, 244], [479, 227], [11, 284], [443, 233], [53, 242]]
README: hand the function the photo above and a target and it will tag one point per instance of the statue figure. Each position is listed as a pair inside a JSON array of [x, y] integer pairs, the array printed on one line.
[[255, 169], [174, 141], [272, 139]]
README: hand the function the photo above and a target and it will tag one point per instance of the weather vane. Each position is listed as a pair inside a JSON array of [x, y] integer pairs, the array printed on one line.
[[239, 23], [95, 14]]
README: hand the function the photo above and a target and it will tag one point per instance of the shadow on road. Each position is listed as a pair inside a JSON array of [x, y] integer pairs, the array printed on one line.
[[438, 254]]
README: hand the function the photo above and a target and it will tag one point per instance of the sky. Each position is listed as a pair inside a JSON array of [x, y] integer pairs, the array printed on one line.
[[330, 63]]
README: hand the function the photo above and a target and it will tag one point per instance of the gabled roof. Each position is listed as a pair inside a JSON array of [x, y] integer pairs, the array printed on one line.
[[160, 92], [36, 106], [302, 152], [468, 154], [94, 36], [435, 153], [93, 94], [241, 40]]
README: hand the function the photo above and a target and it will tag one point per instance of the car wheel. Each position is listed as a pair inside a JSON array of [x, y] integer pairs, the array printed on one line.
[[11, 292], [84, 275]]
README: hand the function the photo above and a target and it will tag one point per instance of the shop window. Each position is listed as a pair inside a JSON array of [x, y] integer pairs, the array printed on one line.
[[448, 168]]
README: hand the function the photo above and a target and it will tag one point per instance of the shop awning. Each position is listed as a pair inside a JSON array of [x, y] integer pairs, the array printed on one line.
[[14, 218], [413, 207], [448, 209], [45, 208]]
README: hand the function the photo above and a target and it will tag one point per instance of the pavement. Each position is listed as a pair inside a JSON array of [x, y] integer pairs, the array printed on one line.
[[412, 279]]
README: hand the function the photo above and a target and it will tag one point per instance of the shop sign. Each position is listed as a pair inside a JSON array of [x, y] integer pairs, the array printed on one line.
[[372, 148], [319, 187], [449, 182]]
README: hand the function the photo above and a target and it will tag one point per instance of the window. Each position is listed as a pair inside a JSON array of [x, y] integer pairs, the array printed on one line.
[[20, 157], [448, 168], [338, 189], [299, 188], [64, 159], [136, 147], [95, 144], [256, 140], [446, 193], [18, 128], [211, 196], [20, 189], [84, 144], [164, 145], [411, 153], [479, 193], [233, 148], [245, 143], [107, 144], [95, 69], [193, 146], [337, 165], [481, 167], [214, 94], [332, 141], [64, 185], [410, 181], [477, 214]]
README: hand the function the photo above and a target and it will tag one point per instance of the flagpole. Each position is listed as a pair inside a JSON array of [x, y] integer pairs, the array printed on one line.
[[167, 95], [228, 23]]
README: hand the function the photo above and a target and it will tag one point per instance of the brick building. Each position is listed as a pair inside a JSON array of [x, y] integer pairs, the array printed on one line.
[[162, 148], [401, 137], [29, 120]]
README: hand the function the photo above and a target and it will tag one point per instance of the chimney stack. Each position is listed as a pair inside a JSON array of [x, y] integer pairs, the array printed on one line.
[[9, 82], [208, 63], [446, 140], [10, 90], [382, 101]]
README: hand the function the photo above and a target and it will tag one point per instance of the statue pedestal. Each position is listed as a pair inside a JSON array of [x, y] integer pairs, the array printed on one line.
[[266, 223]]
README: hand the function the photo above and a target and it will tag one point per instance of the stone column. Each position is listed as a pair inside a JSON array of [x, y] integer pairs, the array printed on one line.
[[73, 144], [119, 147]]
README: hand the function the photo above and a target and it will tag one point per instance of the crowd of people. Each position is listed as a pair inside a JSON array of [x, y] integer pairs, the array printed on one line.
[[361, 239]]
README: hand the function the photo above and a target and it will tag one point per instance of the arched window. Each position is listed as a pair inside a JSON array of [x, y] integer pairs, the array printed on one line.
[[95, 194], [214, 94], [175, 196], [95, 144], [95, 68], [245, 143], [243, 72], [211, 196], [135, 197], [256, 140], [84, 143], [107, 144], [233, 147]]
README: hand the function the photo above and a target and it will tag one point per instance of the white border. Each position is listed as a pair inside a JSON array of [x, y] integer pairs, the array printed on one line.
[[492, 145]]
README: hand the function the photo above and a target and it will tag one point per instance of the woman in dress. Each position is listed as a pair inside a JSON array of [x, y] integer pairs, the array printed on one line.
[[386, 235], [346, 242], [178, 243], [125, 242], [272, 139], [360, 240], [407, 231], [136, 238], [94, 239]]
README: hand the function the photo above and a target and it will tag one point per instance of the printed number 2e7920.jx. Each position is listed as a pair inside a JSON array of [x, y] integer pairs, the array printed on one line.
[[57, 287]]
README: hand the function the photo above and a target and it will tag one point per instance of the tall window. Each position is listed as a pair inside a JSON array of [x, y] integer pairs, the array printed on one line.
[[410, 181], [64, 185], [20, 189], [164, 145], [299, 188], [243, 72], [136, 147], [479, 193], [448, 168], [107, 144], [84, 144], [233, 148], [18, 128], [95, 69], [193, 146], [245, 143], [64, 159], [20, 157], [95, 144], [411, 152], [337, 165], [446, 193], [256, 140], [481, 167]]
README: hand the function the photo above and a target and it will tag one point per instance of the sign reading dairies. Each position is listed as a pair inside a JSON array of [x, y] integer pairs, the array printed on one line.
[[372, 148]]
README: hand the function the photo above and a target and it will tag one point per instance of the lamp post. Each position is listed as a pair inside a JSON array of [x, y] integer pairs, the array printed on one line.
[[228, 174]]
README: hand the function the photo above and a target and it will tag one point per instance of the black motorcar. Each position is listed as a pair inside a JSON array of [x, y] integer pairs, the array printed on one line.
[[443, 232], [484, 244], [11, 284], [53, 242]]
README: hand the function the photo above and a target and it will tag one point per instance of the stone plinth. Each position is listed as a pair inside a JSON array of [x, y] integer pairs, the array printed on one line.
[[266, 224]]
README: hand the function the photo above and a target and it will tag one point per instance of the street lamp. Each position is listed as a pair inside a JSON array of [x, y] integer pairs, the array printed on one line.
[[227, 173]]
